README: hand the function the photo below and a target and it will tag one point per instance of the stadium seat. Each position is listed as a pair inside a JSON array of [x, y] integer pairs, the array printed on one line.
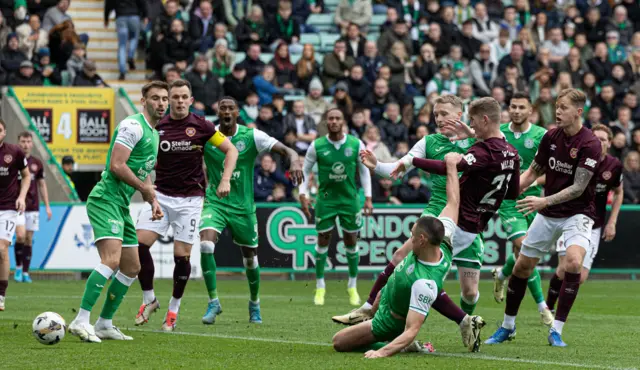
[[295, 58], [323, 22], [240, 57], [66, 78], [373, 36], [319, 58], [328, 39], [418, 102], [266, 57], [328, 98], [378, 19], [310, 38], [293, 97]]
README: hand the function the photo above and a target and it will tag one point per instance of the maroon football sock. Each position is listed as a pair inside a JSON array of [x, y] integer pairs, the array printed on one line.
[[448, 309], [515, 293], [555, 284], [147, 269], [26, 257], [381, 281], [18, 250], [568, 295], [181, 273]]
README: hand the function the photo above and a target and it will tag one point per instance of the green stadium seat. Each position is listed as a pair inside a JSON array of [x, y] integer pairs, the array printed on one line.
[[418, 102], [373, 36], [240, 57], [328, 98], [319, 58], [310, 38], [378, 19], [266, 57], [295, 58], [293, 97], [66, 79], [323, 22], [328, 39]]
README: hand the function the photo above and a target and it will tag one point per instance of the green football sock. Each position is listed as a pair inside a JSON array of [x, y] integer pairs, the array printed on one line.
[[321, 261], [353, 259], [253, 276], [93, 287], [208, 265], [468, 307], [117, 290], [507, 269], [535, 286]]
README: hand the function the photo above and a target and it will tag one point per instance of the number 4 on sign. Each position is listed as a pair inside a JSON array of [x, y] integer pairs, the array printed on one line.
[[64, 125]]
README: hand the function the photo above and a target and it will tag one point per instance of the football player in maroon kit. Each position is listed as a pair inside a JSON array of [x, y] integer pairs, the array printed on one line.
[[13, 196], [180, 188], [29, 221], [568, 155], [608, 178]]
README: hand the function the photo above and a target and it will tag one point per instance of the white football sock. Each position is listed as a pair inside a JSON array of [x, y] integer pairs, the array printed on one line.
[[104, 323], [84, 316], [352, 282], [509, 322], [174, 304], [501, 275], [558, 325], [320, 283], [148, 296], [366, 306]]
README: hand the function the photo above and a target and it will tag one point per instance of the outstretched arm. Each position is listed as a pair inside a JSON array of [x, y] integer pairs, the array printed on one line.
[[580, 182], [295, 170], [610, 228], [528, 177], [453, 190]]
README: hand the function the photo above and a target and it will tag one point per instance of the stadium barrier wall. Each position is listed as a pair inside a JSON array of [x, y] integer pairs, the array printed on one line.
[[287, 241]]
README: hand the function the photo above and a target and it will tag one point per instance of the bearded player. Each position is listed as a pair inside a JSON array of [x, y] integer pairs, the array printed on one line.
[[525, 137], [404, 303], [130, 160], [337, 157], [180, 188], [435, 146], [28, 222], [608, 178], [237, 211], [568, 155], [13, 164]]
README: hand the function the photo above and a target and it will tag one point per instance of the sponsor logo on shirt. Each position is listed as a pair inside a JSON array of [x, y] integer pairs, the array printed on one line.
[[553, 147], [573, 153], [410, 269], [590, 162], [560, 166], [470, 159], [337, 170], [176, 146], [190, 131]]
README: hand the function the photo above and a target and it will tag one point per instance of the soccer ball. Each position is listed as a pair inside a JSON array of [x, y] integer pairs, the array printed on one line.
[[49, 328]]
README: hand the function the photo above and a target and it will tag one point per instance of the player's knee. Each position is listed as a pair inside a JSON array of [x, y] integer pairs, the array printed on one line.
[[338, 341], [113, 262], [573, 263], [131, 269], [324, 238], [207, 246], [469, 293], [250, 263]]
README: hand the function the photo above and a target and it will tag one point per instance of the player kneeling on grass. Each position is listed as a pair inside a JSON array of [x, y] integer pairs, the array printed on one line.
[[403, 304]]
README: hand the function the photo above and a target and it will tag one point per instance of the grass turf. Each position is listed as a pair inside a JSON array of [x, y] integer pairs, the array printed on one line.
[[601, 331]]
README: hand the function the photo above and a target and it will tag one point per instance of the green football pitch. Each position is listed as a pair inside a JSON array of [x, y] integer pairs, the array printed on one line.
[[602, 331]]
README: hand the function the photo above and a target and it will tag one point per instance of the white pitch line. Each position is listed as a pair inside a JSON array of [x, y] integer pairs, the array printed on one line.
[[440, 354]]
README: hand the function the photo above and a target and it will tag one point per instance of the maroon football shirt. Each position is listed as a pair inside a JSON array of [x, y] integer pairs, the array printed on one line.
[[179, 170], [609, 177], [491, 171], [561, 155], [12, 161], [37, 172]]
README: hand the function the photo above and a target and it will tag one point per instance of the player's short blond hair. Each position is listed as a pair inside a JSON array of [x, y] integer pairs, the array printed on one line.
[[603, 128], [575, 96], [450, 99], [486, 107]]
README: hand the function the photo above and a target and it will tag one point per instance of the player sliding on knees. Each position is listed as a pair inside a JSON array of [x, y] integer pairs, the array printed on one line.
[[608, 178], [404, 303], [180, 185], [568, 155], [525, 137], [435, 146], [337, 157], [130, 160], [238, 210]]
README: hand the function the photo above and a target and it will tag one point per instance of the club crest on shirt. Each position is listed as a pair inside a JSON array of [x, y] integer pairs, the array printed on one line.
[[573, 153], [190, 131], [240, 145], [528, 143], [348, 152], [34, 167], [606, 175], [410, 269], [8, 158], [553, 147]]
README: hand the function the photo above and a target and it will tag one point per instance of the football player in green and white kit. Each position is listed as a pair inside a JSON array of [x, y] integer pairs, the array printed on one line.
[[525, 137], [238, 210], [131, 158], [403, 305], [337, 157]]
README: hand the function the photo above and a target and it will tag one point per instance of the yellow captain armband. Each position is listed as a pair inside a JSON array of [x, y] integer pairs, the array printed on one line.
[[217, 139]]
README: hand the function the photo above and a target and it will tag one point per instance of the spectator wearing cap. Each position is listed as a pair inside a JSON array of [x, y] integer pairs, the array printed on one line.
[[314, 103], [205, 88], [342, 101], [484, 29], [621, 24], [31, 37], [201, 27], [252, 62], [89, 77], [128, 26], [49, 72], [25, 76], [76, 62], [56, 15], [353, 11], [600, 64], [238, 85], [11, 56], [336, 65], [443, 82], [221, 59], [616, 52], [399, 32], [559, 49], [371, 61], [177, 46], [252, 29]]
